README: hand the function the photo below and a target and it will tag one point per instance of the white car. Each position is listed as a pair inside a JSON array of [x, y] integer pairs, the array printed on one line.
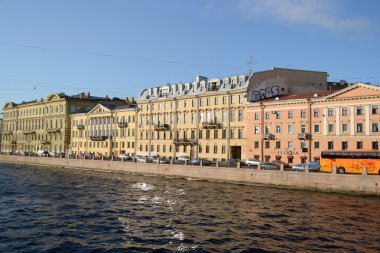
[[140, 159], [183, 158], [253, 162], [125, 156]]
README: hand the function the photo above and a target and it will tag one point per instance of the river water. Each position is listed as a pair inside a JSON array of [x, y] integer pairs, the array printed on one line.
[[65, 210]]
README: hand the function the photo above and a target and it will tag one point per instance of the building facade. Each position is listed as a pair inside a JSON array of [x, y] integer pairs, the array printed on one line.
[[203, 119], [45, 123], [296, 128], [106, 130]]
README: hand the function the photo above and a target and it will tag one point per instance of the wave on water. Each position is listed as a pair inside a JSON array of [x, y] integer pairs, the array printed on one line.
[[143, 186]]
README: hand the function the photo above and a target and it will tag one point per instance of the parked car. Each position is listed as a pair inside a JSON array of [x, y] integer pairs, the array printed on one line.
[[183, 158], [270, 166], [313, 167], [253, 162], [196, 161], [279, 162], [140, 159], [42, 153], [125, 157], [234, 161]]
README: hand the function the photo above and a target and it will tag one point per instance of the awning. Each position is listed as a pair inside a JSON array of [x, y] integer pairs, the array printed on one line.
[[278, 157], [316, 158], [290, 157], [256, 156], [267, 156], [303, 157]]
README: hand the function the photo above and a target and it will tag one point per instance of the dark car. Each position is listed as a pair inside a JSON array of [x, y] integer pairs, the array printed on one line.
[[279, 162], [270, 166], [198, 162], [234, 161]]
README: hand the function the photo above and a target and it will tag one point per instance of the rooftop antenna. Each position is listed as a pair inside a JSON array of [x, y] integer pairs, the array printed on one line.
[[250, 62]]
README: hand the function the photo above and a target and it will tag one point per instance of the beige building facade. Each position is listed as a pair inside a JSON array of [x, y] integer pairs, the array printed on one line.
[[44, 124], [202, 119], [106, 130], [296, 128]]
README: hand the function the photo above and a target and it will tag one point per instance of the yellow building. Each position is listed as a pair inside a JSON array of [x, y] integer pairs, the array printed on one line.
[[45, 123], [105, 129], [204, 119]]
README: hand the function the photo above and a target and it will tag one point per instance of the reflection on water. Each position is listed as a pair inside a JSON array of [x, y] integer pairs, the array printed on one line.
[[57, 210]]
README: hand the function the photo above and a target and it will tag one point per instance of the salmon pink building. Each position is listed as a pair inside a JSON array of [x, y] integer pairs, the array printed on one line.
[[296, 128]]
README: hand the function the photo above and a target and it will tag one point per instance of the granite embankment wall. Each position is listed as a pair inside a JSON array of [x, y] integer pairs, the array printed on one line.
[[329, 182]]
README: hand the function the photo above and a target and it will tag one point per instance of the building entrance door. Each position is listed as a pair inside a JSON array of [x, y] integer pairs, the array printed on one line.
[[236, 152]]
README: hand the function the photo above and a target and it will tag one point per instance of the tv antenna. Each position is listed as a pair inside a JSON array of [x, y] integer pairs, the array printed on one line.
[[250, 62]]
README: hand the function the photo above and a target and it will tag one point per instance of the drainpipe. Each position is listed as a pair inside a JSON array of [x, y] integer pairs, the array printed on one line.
[[309, 103], [262, 106]]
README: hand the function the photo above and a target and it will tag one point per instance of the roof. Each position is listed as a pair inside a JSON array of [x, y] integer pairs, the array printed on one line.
[[201, 85], [298, 96]]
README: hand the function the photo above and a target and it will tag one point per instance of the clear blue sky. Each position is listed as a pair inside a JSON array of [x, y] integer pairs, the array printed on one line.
[[119, 47]]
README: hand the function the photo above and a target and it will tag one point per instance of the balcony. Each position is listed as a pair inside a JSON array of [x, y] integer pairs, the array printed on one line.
[[98, 138], [8, 132], [28, 131], [185, 142], [14, 142], [53, 130], [268, 136], [211, 125], [161, 127], [122, 124], [45, 142], [80, 127], [303, 136]]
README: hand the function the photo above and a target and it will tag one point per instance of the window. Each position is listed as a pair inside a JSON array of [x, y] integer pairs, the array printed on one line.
[[278, 144], [224, 133], [278, 129], [267, 129], [344, 127], [303, 114], [316, 112], [359, 127], [256, 144], [240, 133], [224, 100], [290, 129], [233, 99], [375, 109], [303, 129], [193, 102], [278, 115], [199, 149], [359, 145], [200, 134], [215, 100], [215, 149], [375, 145], [344, 145], [290, 114], [290, 144], [316, 128], [330, 145], [330, 128], [256, 116], [316, 144], [330, 112], [208, 101], [224, 116], [344, 111], [267, 144], [257, 130], [359, 110], [207, 134], [232, 116], [215, 134], [240, 115], [207, 149], [223, 149], [232, 133], [241, 99], [375, 127], [267, 115]]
